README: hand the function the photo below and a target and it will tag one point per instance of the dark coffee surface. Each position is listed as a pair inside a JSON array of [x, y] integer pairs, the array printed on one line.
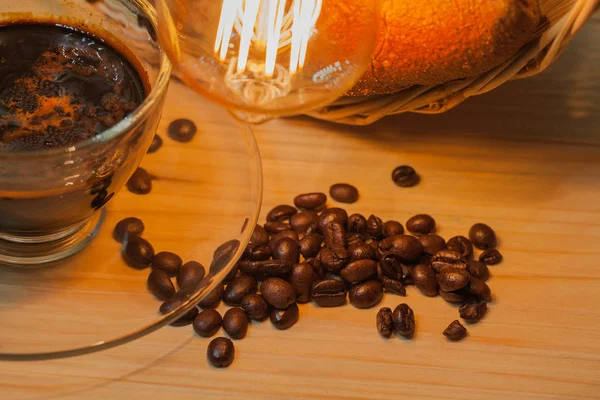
[[59, 86]]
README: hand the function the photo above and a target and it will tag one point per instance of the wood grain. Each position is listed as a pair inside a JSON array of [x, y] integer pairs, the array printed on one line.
[[524, 158]]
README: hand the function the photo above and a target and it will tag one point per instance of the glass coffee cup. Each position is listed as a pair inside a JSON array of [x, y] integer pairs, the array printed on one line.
[[52, 197]]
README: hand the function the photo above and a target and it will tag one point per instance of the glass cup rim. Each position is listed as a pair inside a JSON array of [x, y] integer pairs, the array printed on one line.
[[156, 91]]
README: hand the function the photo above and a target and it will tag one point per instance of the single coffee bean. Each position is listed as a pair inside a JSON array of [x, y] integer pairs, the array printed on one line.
[[265, 269], [235, 323], [255, 306], [447, 259], [385, 322], [156, 144], [452, 279], [334, 235], [455, 331], [408, 248], [317, 267], [393, 286], [310, 201], [425, 280], [310, 245], [404, 320], [207, 323], [359, 271], [238, 288], [137, 252], [220, 352], [329, 293], [305, 222], [454, 297], [357, 224], [366, 295], [285, 318], [281, 213], [276, 227], [277, 292], [478, 269], [190, 274], [282, 235], [461, 245], [392, 228], [421, 224], [182, 130], [287, 250], [391, 266], [213, 298], [432, 243], [172, 304], [361, 251], [472, 312], [168, 262], [375, 227], [479, 289], [160, 285], [258, 253], [301, 279], [259, 237], [333, 260], [405, 176], [482, 236], [140, 182], [128, 227], [333, 214], [344, 193], [490, 257]]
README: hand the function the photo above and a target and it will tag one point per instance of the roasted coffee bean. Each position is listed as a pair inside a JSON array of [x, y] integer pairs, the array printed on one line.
[[128, 227], [255, 306], [461, 245], [285, 318], [226, 250], [446, 259], [137, 252], [140, 182], [455, 331], [333, 260], [490, 257], [235, 323], [282, 235], [359, 271], [301, 279], [182, 130], [393, 286], [482, 236], [276, 227], [317, 267], [333, 214], [374, 244], [344, 193], [454, 297], [172, 304], [168, 262], [479, 289], [453, 279], [380, 273], [375, 227], [267, 268], [385, 322], [478, 269], [404, 320], [432, 243], [190, 274], [329, 293], [238, 288], [421, 224], [357, 223], [160, 285], [391, 266], [305, 222], [310, 201], [156, 144], [405, 176], [287, 250], [310, 245], [425, 280], [258, 253], [366, 294], [259, 237], [334, 235], [281, 213], [354, 238], [207, 323], [392, 228], [220, 352], [472, 312], [213, 298], [360, 251], [406, 247], [277, 292]]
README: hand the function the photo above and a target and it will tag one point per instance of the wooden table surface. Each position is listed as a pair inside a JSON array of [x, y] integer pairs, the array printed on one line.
[[524, 158]]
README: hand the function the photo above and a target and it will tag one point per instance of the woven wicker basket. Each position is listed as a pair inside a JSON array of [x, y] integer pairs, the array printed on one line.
[[564, 18]]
